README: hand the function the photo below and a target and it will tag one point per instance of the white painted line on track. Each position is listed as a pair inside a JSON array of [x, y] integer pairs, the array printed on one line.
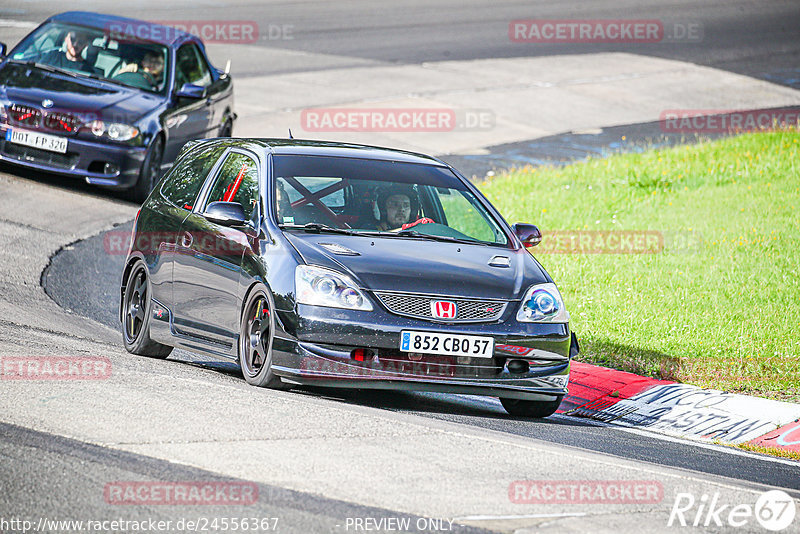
[[10, 23], [527, 516]]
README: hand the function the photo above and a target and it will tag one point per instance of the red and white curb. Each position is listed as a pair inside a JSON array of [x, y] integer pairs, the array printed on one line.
[[680, 410]]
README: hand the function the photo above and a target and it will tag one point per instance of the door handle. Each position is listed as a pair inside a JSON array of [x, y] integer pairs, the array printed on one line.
[[186, 239]]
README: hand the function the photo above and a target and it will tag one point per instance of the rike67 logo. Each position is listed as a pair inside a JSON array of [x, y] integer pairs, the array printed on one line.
[[774, 510]]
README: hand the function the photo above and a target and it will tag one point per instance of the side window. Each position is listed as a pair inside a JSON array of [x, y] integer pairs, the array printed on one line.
[[188, 175], [237, 181], [190, 67]]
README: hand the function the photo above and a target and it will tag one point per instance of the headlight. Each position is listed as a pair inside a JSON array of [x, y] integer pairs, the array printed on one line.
[[543, 304], [323, 287], [113, 130]]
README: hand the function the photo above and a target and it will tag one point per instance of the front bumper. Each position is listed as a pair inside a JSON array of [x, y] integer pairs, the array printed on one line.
[[83, 159], [315, 347]]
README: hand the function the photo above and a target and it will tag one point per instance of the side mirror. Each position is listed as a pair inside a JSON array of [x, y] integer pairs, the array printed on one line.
[[3, 49], [226, 213], [528, 234], [190, 90]]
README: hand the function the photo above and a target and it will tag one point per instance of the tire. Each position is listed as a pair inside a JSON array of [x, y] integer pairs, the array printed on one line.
[[256, 333], [136, 313], [527, 408], [227, 129], [151, 171]]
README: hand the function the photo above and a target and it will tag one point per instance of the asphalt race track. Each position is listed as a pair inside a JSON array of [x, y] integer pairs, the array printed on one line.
[[323, 460]]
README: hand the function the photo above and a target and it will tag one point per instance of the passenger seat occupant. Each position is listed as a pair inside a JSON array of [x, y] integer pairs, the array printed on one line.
[[69, 55]]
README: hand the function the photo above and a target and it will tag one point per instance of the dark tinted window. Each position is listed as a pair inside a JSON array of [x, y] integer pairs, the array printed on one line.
[[188, 174], [190, 67], [237, 181]]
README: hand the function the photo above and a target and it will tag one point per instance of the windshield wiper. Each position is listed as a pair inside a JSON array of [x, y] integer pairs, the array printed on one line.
[[318, 228], [58, 70], [415, 233]]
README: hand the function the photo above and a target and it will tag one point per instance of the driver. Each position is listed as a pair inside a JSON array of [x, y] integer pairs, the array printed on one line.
[[398, 205], [152, 66]]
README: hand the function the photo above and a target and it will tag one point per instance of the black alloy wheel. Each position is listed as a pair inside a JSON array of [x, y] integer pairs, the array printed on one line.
[[136, 311], [255, 341]]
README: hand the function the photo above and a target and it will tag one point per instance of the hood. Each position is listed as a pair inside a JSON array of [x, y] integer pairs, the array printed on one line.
[[86, 97], [422, 266]]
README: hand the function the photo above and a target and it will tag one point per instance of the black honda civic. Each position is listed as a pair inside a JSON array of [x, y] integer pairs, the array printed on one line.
[[342, 265], [108, 99]]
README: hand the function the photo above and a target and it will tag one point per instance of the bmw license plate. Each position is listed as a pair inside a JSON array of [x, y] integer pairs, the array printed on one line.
[[446, 344], [53, 143]]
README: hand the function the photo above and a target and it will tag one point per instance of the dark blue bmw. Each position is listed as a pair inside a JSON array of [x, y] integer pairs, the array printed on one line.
[[108, 99]]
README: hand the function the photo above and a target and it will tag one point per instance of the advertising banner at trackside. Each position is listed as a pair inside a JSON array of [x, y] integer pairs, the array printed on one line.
[[689, 411]]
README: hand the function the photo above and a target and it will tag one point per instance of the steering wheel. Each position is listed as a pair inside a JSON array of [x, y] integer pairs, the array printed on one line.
[[149, 78]]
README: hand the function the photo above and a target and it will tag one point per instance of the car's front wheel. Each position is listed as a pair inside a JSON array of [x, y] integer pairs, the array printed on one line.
[[151, 171], [255, 341], [529, 408], [136, 316]]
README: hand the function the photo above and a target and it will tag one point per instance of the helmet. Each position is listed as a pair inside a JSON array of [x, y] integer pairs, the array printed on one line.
[[399, 189]]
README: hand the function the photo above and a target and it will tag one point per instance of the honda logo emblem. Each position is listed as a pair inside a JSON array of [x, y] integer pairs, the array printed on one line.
[[443, 309]]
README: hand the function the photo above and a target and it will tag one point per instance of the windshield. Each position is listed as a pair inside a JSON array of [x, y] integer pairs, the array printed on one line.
[[360, 195], [91, 52]]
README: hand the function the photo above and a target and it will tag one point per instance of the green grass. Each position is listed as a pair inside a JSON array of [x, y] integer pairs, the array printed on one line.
[[719, 304]]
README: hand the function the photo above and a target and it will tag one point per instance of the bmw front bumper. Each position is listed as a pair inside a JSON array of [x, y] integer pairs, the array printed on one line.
[[83, 159]]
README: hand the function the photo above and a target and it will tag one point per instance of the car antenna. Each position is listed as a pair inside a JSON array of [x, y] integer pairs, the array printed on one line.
[[290, 134]]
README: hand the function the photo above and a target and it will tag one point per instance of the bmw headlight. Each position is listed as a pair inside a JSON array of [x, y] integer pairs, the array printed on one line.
[[323, 287], [113, 130], [542, 303]]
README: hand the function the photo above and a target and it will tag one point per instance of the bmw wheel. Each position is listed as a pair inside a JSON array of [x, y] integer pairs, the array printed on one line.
[[151, 171], [136, 310], [255, 341]]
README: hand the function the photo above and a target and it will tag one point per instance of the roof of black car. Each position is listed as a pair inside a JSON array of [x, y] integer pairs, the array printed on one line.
[[330, 148], [157, 33]]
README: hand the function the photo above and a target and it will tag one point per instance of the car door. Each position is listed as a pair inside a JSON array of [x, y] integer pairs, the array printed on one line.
[[206, 269], [174, 201], [189, 118]]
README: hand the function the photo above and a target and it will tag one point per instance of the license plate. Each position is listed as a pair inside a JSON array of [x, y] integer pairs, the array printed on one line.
[[53, 143], [446, 344]]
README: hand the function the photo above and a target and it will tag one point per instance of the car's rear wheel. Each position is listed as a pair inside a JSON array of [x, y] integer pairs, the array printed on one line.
[[136, 311], [529, 408], [255, 341], [151, 171]]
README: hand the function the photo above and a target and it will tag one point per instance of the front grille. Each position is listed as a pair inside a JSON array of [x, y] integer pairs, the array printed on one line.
[[30, 117], [45, 157], [419, 307], [60, 122], [24, 115]]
